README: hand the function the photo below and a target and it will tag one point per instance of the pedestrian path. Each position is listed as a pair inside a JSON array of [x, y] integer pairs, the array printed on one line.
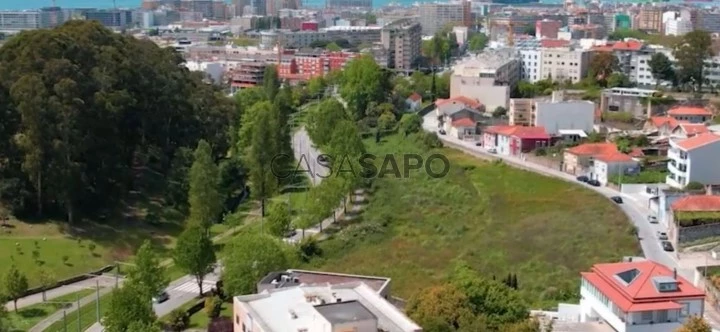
[[192, 286]]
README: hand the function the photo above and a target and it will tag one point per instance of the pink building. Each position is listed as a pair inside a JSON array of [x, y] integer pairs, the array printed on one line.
[[547, 29]]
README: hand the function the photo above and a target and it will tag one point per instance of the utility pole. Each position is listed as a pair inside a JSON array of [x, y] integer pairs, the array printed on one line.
[[97, 300], [78, 311]]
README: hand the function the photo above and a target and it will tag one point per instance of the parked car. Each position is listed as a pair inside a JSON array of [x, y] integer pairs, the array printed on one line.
[[652, 219], [492, 150], [617, 199], [594, 183], [583, 178], [291, 233], [662, 236], [442, 132], [160, 298], [667, 246], [478, 143]]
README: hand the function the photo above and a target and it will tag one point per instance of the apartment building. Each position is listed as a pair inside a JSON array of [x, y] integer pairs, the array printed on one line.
[[565, 63], [638, 296], [434, 16], [709, 21], [556, 116], [402, 40], [112, 18], [304, 38], [14, 20], [488, 77], [649, 19], [547, 29], [521, 112], [530, 56], [694, 159]]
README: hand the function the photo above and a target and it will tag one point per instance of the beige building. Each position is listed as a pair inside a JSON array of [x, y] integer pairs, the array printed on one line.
[[434, 16], [649, 19], [488, 77], [565, 63], [521, 112], [402, 39]]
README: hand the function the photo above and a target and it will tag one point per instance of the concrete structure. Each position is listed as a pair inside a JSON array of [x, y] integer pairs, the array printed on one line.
[[678, 26], [709, 21], [521, 112], [488, 77], [564, 115], [434, 16], [625, 100], [547, 29], [319, 307], [607, 165], [213, 70], [578, 160], [694, 159], [640, 296], [565, 63], [649, 19], [402, 40], [515, 140]]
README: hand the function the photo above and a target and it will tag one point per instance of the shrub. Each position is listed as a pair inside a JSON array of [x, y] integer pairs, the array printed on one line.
[[541, 152], [432, 141], [694, 185], [92, 246], [213, 306], [178, 320], [65, 259], [309, 248]]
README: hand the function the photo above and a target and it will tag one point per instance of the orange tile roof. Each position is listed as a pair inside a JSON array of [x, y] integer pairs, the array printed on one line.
[[415, 96], [519, 131], [636, 152], [697, 203], [693, 128], [640, 294], [469, 102], [613, 157], [552, 43], [591, 149], [659, 121], [698, 141], [630, 45], [464, 122], [689, 110]]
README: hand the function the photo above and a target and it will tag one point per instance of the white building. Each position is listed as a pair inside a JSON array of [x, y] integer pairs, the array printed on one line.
[[488, 77], [694, 159], [214, 70], [564, 115], [531, 65], [605, 166], [319, 308], [639, 296], [678, 26]]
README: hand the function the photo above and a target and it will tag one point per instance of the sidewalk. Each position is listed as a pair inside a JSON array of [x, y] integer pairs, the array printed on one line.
[[57, 316], [50, 294]]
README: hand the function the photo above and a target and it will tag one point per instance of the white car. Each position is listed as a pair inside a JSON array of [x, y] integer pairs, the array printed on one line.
[[492, 150], [653, 219]]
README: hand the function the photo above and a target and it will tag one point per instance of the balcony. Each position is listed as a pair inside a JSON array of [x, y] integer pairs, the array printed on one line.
[[675, 181], [677, 167], [676, 154]]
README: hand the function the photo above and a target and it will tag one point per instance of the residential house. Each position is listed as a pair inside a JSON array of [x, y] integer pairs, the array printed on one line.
[[578, 159], [686, 129], [515, 140], [692, 114], [662, 125], [452, 105], [609, 164], [414, 101], [694, 217], [638, 296], [694, 159], [459, 116], [320, 307]]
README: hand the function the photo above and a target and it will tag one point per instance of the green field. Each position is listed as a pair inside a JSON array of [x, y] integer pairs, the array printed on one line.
[[200, 319], [498, 218], [27, 317], [88, 316]]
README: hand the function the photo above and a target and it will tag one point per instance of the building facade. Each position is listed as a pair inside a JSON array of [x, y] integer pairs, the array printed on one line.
[[402, 40], [434, 16], [14, 20], [488, 77], [565, 63], [521, 112], [694, 159]]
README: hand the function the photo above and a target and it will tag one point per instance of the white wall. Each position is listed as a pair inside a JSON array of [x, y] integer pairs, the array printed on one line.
[[531, 65], [565, 115], [589, 304], [481, 89], [503, 145], [704, 164]]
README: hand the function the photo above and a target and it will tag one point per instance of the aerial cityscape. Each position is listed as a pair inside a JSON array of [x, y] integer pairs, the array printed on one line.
[[360, 165]]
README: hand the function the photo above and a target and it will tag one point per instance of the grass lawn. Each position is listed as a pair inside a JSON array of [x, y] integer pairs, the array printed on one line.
[[27, 317], [497, 218], [200, 319], [87, 316]]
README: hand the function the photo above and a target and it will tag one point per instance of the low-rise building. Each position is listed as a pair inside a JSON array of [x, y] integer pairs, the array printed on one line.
[[521, 112], [694, 159], [693, 218], [685, 130], [414, 101], [625, 100], [459, 116], [692, 114], [515, 140], [605, 166], [579, 159], [662, 125], [638, 296], [488, 77], [564, 115]]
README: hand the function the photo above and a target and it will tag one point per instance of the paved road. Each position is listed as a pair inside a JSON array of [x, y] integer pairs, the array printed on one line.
[[60, 291], [306, 154]]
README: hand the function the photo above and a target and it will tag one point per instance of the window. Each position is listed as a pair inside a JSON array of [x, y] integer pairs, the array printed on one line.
[[662, 316], [237, 319], [646, 316], [685, 310]]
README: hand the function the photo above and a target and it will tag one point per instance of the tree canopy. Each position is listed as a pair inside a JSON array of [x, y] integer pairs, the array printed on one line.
[[691, 53], [602, 66], [147, 275], [194, 253], [204, 195], [249, 257], [81, 90], [363, 81], [661, 68]]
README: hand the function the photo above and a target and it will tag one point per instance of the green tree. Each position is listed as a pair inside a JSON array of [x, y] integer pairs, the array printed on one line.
[[527, 89], [618, 80], [347, 147], [661, 68], [204, 195], [324, 119], [47, 280], [278, 220], [194, 254], [499, 112], [5, 325], [16, 284], [363, 82], [271, 82], [695, 323], [387, 121], [478, 42], [316, 86], [144, 327], [410, 123], [249, 257], [259, 155], [694, 186], [440, 307], [147, 274], [127, 305], [691, 54], [602, 65], [333, 47]]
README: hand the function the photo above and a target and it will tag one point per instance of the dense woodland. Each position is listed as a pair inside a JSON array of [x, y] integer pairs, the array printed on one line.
[[84, 109]]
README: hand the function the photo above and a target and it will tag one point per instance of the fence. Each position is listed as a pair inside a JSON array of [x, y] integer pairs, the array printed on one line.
[[70, 280]]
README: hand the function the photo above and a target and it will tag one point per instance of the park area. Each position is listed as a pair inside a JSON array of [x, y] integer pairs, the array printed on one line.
[[497, 218]]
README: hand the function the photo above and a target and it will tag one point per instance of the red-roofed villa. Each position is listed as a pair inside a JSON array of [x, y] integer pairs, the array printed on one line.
[[514, 140], [638, 296], [692, 114], [694, 217]]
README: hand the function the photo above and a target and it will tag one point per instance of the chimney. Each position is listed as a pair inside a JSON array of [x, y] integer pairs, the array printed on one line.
[[674, 273]]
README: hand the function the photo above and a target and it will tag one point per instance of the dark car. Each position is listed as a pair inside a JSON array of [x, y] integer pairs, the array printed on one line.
[[583, 178], [594, 183], [662, 236], [617, 199], [323, 158], [442, 132], [160, 298], [478, 143], [667, 246], [291, 233]]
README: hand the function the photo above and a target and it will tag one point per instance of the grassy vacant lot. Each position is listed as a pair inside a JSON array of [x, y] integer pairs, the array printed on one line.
[[27, 317], [88, 316], [499, 219]]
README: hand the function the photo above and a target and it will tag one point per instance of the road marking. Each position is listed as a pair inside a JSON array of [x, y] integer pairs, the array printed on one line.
[[192, 287]]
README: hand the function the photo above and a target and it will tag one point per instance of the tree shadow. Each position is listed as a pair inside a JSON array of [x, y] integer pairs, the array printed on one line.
[[32, 313]]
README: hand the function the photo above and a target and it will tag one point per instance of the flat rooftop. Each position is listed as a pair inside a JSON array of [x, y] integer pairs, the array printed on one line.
[[344, 312]]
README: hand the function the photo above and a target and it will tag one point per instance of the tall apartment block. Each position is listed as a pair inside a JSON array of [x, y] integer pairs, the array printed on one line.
[[649, 19], [402, 39], [434, 16]]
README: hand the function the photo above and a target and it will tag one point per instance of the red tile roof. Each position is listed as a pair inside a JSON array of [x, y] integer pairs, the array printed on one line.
[[613, 157], [693, 128], [521, 132], [415, 96], [640, 294], [552, 43], [698, 141], [689, 110], [636, 152], [659, 121], [464, 122], [592, 149], [697, 203], [630, 45], [469, 102]]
